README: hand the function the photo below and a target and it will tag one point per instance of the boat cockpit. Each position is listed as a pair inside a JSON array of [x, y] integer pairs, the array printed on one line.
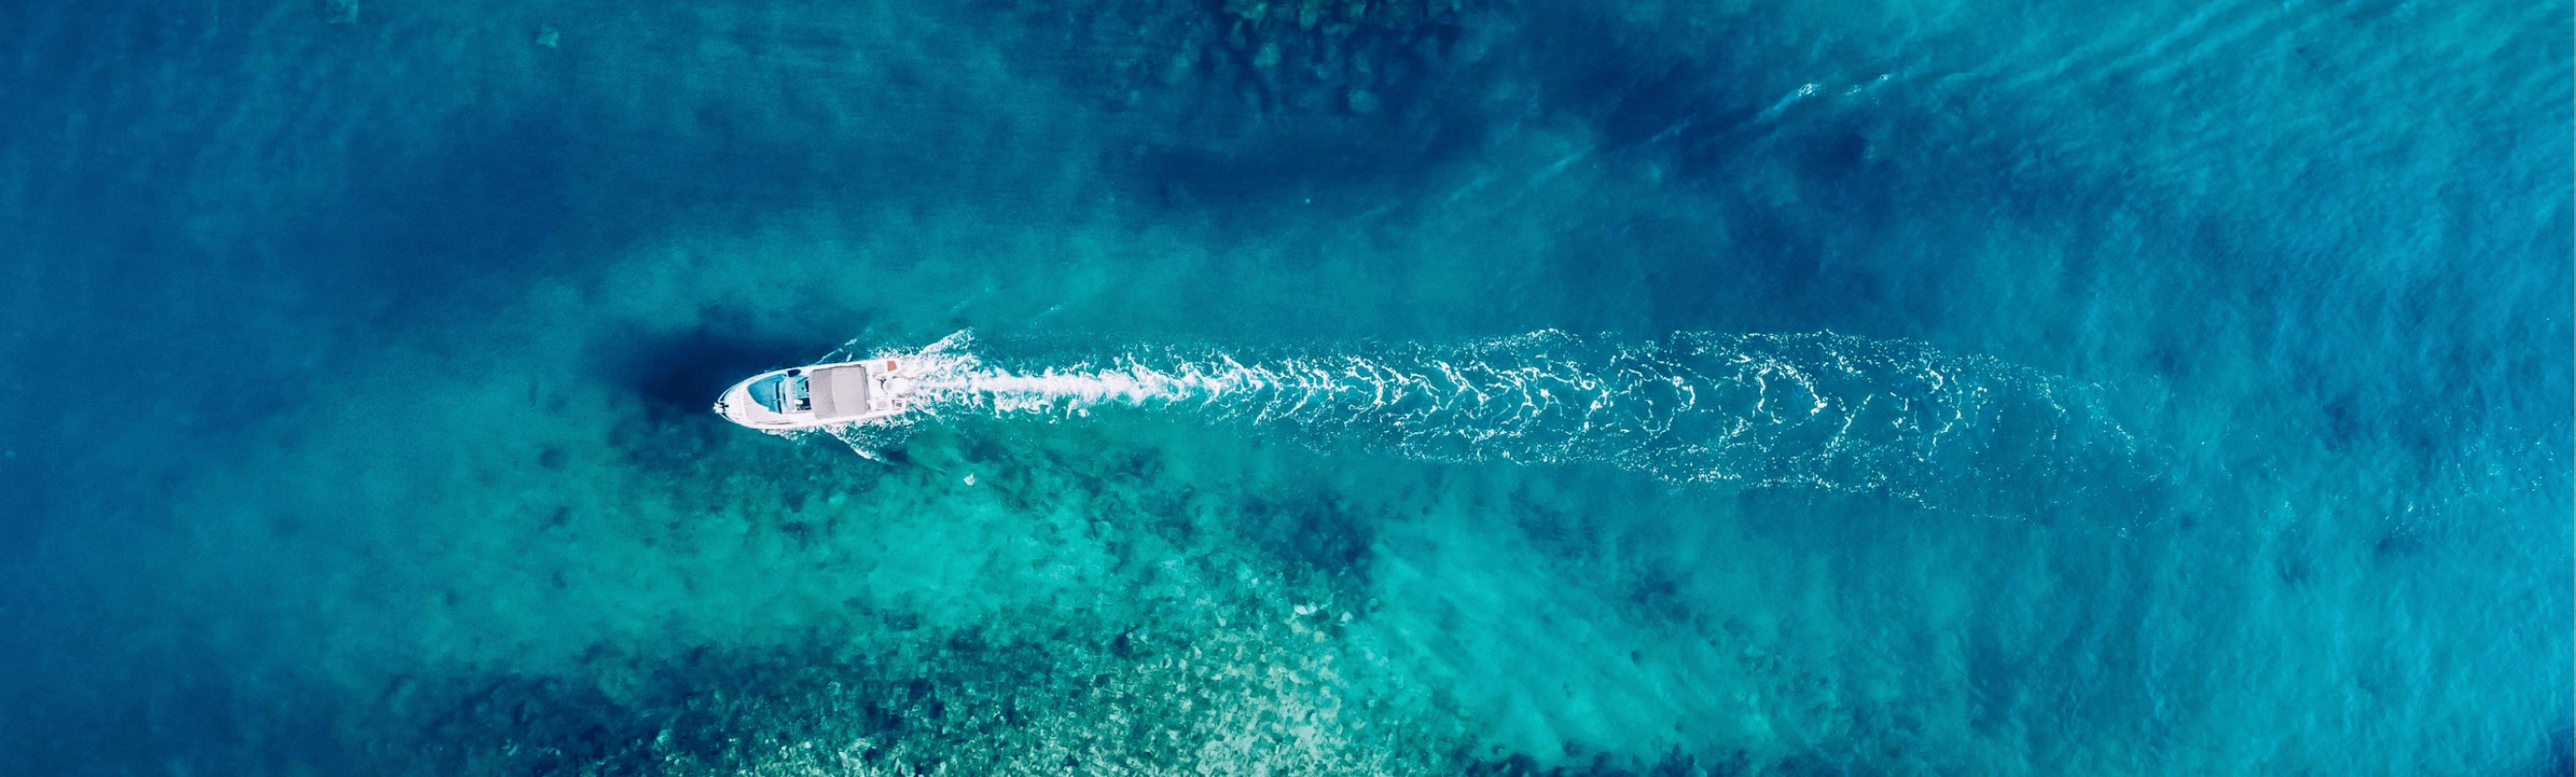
[[788, 393]]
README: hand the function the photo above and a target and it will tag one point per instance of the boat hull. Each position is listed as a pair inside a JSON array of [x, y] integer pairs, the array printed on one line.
[[819, 396]]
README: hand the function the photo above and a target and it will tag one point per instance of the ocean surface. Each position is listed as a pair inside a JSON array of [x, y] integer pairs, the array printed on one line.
[[1323, 387]]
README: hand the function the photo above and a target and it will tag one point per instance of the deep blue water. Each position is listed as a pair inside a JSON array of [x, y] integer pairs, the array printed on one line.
[[1750, 389]]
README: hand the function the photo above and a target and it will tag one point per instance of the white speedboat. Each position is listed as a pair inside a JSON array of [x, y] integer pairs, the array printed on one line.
[[819, 395]]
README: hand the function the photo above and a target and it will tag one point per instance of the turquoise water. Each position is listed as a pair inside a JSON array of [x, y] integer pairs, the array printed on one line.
[[1437, 388]]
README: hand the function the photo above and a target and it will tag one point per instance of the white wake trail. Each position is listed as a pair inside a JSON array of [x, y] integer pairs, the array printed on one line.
[[1811, 410]]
